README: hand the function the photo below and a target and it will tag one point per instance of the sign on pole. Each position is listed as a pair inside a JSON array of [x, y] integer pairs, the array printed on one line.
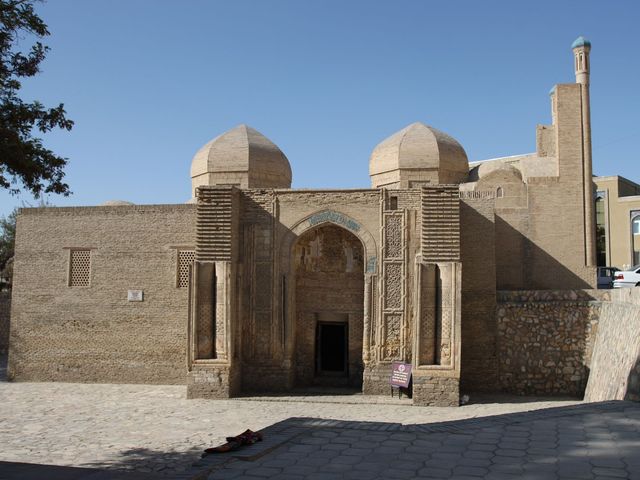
[[400, 374]]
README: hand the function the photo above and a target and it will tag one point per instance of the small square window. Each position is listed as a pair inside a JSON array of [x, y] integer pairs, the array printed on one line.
[[79, 268], [393, 203], [185, 260]]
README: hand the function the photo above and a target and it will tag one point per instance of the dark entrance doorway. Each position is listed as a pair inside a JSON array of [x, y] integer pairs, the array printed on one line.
[[332, 349]]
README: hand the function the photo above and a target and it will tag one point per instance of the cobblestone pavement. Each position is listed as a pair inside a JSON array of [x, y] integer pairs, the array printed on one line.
[[154, 429]]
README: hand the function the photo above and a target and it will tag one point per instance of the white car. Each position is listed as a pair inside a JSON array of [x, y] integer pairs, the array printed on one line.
[[628, 278]]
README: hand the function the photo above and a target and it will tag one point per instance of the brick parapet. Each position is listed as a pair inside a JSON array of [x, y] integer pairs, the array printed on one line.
[[187, 207]]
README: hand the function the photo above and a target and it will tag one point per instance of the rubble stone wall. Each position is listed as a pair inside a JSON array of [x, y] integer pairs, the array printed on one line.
[[570, 342], [545, 340]]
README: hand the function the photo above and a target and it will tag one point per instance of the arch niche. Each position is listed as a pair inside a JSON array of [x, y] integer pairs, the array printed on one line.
[[329, 259]]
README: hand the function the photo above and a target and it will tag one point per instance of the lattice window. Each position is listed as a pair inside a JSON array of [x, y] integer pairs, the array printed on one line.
[[79, 268], [185, 260]]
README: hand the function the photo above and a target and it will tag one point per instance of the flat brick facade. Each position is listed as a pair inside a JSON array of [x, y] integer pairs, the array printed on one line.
[[93, 333]]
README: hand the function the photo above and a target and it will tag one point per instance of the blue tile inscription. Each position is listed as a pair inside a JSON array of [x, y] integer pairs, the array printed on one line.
[[335, 217]]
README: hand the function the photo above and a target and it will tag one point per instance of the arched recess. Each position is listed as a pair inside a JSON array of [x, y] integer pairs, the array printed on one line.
[[337, 218], [291, 321]]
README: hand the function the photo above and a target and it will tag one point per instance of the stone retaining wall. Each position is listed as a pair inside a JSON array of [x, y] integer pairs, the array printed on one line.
[[615, 366], [570, 342], [5, 309], [545, 340]]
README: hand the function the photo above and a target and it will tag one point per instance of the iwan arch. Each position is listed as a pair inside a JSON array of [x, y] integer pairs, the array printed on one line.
[[261, 287]]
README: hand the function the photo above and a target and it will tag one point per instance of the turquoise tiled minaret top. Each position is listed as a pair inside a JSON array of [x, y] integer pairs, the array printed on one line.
[[580, 42]]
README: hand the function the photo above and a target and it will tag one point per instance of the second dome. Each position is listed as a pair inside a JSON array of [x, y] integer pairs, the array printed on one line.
[[418, 155]]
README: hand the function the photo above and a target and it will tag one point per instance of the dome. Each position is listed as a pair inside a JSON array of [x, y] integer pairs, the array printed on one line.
[[116, 203], [580, 42], [418, 155], [488, 168], [242, 157]]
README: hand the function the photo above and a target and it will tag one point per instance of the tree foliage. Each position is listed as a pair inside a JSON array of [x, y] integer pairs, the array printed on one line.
[[23, 158], [7, 242]]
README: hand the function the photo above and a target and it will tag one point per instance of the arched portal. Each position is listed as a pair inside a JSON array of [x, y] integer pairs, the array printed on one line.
[[328, 264]]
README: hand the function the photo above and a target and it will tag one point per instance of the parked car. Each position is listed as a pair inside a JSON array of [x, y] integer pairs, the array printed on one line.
[[628, 278], [605, 276]]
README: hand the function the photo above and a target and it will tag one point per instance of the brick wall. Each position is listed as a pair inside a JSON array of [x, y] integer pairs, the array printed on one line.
[[5, 307], [93, 333], [479, 364]]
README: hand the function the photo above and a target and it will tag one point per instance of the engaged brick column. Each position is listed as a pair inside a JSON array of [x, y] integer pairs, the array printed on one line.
[[211, 370], [437, 344]]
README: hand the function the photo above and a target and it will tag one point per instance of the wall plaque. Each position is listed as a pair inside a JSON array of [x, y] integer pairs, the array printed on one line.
[[135, 295]]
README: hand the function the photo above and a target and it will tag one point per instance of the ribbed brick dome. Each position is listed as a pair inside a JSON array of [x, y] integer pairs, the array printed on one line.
[[418, 154], [243, 157]]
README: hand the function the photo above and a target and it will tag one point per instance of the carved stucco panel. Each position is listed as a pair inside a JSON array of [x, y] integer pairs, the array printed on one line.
[[392, 340], [393, 237], [393, 279]]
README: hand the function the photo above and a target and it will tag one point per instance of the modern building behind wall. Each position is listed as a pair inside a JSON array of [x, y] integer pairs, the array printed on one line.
[[617, 222], [254, 286]]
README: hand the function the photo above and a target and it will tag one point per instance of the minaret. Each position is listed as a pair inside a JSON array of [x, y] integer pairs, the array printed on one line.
[[581, 48]]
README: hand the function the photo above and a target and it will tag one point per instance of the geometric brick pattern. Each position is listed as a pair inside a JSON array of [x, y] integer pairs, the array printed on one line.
[[185, 260], [214, 223], [441, 223], [80, 268]]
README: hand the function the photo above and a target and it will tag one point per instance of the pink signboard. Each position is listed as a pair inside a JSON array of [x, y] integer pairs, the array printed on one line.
[[400, 374]]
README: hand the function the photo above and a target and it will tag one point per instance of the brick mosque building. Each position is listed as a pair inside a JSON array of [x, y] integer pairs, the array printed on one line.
[[254, 286]]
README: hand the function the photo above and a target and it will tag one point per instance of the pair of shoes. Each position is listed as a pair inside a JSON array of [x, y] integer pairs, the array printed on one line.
[[247, 437]]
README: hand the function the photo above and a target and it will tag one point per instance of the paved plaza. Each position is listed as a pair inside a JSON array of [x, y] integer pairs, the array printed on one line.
[[143, 432]]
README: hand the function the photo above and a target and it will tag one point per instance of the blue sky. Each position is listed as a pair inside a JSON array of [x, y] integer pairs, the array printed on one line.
[[148, 82]]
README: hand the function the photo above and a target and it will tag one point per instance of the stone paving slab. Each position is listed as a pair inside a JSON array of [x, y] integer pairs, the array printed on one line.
[[589, 441], [30, 471], [154, 430]]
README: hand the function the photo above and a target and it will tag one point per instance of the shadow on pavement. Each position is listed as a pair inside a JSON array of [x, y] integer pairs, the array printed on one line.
[[486, 398], [3, 367], [33, 471]]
